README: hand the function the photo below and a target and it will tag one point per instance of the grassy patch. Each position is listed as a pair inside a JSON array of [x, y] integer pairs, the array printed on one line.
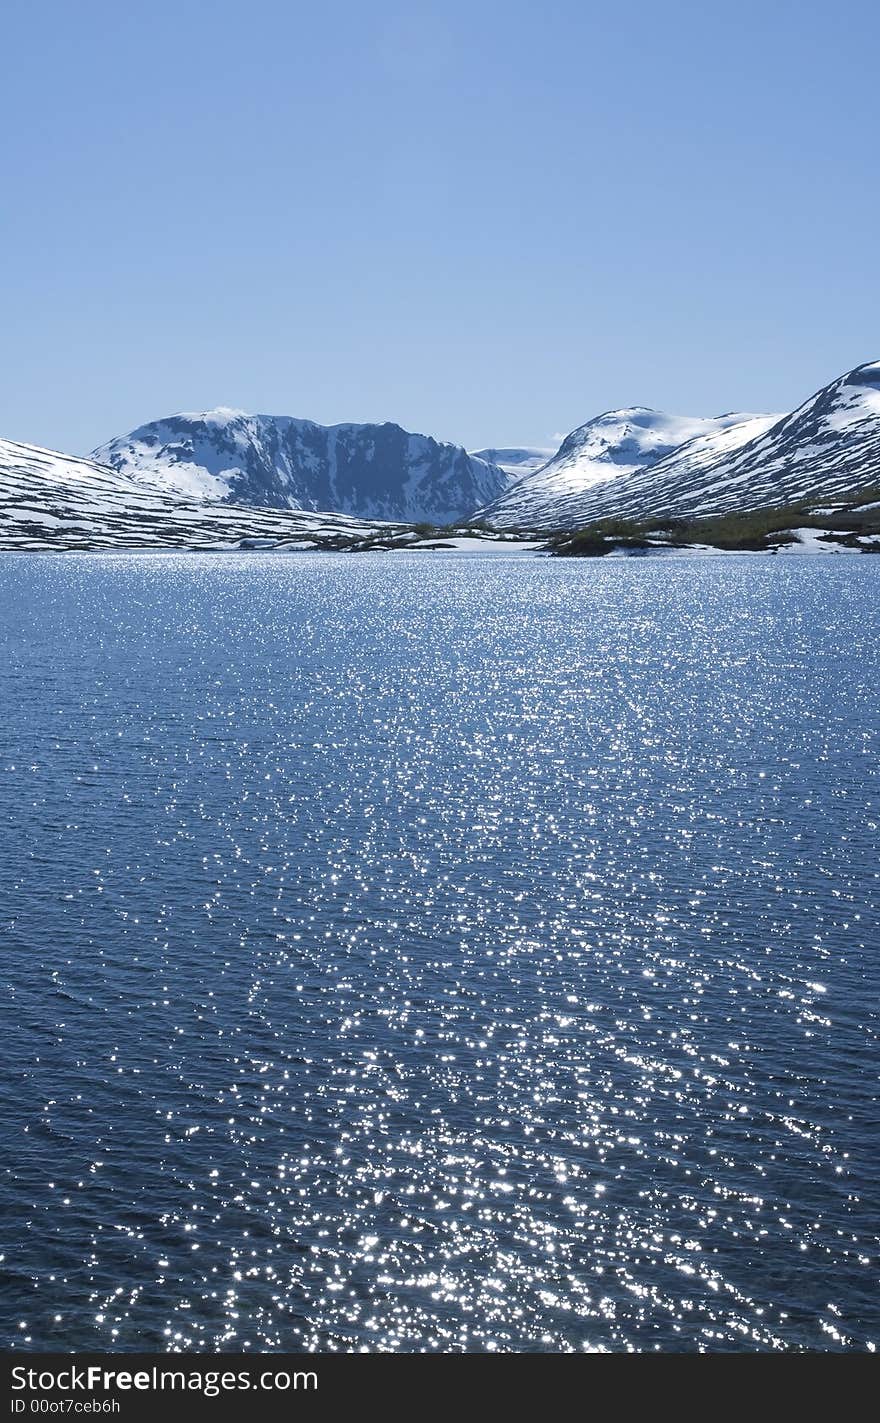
[[756, 530]]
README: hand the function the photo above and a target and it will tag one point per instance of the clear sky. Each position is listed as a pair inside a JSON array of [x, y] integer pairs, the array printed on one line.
[[487, 220]]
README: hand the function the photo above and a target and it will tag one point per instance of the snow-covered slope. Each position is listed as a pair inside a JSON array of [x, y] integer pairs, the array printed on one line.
[[677, 481], [600, 454], [639, 464], [369, 471], [830, 445], [50, 500]]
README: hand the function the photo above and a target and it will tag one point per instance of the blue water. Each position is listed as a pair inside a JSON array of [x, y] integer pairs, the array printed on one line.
[[405, 953]]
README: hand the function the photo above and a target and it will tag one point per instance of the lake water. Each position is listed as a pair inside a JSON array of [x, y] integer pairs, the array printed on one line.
[[402, 952]]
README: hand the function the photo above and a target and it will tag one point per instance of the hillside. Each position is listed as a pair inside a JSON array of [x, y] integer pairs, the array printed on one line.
[[625, 464]]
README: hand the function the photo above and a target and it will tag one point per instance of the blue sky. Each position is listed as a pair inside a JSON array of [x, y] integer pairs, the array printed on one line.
[[487, 221]]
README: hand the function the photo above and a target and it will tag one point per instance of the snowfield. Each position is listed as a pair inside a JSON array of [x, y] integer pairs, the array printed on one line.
[[516, 461]]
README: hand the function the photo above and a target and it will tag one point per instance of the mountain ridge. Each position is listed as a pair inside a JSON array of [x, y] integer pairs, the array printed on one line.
[[602, 454], [376, 471], [829, 445], [223, 475]]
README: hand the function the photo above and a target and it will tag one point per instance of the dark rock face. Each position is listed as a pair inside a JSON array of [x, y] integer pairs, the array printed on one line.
[[370, 471]]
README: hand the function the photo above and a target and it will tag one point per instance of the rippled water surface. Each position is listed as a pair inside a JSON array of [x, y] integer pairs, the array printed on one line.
[[403, 953]]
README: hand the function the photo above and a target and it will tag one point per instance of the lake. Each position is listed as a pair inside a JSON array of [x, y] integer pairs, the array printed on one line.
[[403, 952]]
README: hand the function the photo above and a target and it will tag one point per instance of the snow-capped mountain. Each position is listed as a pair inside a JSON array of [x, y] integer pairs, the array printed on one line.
[[681, 475], [266, 461], [828, 446], [50, 500], [595, 462], [640, 464], [516, 461], [224, 477]]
